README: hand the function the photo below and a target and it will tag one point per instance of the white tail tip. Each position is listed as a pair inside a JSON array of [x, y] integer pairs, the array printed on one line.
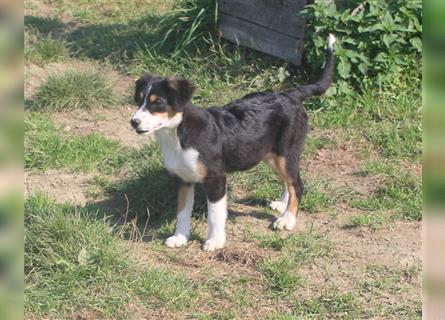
[[331, 41]]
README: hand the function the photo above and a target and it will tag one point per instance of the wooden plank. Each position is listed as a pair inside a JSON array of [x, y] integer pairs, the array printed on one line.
[[278, 15], [260, 38]]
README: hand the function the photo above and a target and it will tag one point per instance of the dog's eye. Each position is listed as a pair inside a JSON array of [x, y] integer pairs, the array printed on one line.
[[153, 98], [158, 108]]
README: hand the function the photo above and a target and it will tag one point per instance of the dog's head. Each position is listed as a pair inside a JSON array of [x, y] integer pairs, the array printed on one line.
[[161, 102]]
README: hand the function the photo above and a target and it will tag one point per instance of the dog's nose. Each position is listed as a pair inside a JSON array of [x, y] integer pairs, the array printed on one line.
[[135, 122]]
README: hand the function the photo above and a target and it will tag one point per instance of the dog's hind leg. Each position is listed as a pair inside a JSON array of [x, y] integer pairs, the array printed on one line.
[[281, 204], [290, 176], [216, 213], [186, 195]]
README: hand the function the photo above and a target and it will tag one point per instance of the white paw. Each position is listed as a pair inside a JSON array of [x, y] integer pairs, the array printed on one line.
[[212, 245], [278, 206], [176, 241], [286, 221]]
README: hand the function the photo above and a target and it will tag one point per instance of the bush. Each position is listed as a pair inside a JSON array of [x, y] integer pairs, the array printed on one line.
[[378, 41]]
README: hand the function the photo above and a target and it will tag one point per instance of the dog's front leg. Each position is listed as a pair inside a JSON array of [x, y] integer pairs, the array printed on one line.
[[186, 195], [216, 213]]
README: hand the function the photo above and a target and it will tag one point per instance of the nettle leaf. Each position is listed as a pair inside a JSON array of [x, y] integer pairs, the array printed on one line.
[[319, 42], [378, 40], [344, 69], [331, 10], [388, 39], [345, 16], [388, 22], [373, 28], [416, 43], [363, 68], [381, 57], [349, 40]]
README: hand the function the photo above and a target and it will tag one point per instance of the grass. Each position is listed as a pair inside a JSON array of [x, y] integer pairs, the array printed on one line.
[[74, 263], [390, 119], [44, 50], [261, 184], [83, 89], [46, 147], [43, 25], [279, 275], [315, 197], [382, 281], [400, 190], [371, 220], [329, 305], [302, 247], [314, 143]]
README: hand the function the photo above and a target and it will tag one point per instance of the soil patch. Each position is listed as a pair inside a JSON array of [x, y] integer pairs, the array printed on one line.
[[59, 185]]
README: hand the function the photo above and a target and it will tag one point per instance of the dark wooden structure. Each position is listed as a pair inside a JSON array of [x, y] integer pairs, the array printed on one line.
[[270, 26]]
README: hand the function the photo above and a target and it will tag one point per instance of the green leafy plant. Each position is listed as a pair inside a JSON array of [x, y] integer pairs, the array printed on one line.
[[378, 41]]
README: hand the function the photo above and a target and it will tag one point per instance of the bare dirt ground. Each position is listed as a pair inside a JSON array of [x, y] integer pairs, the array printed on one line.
[[58, 184]]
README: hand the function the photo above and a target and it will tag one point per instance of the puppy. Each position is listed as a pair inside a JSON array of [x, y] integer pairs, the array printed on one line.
[[204, 145]]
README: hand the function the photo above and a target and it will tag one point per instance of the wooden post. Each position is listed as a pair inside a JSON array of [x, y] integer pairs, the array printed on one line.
[[270, 26]]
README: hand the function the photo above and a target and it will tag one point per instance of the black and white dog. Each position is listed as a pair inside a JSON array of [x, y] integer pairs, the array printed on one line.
[[204, 145]]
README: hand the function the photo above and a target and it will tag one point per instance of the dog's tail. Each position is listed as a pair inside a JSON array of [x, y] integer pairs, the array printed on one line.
[[325, 81]]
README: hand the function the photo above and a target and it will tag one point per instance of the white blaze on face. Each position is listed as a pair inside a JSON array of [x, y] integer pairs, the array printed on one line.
[[150, 122]]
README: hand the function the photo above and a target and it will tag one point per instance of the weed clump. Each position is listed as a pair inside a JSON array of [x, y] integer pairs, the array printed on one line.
[[75, 89]]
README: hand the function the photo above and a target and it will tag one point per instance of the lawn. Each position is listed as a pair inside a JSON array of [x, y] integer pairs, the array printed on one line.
[[99, 203]]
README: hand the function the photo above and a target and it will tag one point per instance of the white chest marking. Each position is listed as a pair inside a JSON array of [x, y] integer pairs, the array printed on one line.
[[183, 163]]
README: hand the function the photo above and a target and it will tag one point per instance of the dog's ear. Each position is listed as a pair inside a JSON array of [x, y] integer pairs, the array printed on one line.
[[140, 85], [183, 89]]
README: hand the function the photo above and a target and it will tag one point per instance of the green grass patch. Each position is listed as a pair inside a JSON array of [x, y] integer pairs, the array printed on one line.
[[74, 262], [223, 315], [390, 119], [383, 281], [109, 12], [402, 140], [400, 191], [47, 148], [280, 276], [43, 25], [329, 305], [313, 144], [75, 89], [302, 247], [71, 254], [261, 184], [373, 220], [315, 197], [42, 50]]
